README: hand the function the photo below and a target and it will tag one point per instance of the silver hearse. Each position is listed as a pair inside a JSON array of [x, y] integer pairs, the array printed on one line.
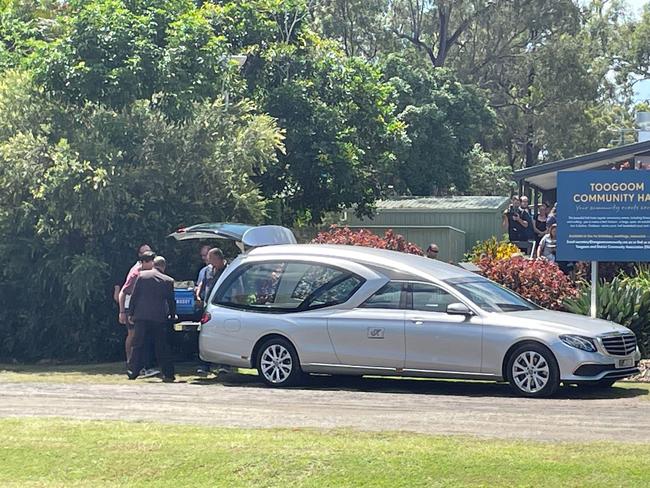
[[290, 310]]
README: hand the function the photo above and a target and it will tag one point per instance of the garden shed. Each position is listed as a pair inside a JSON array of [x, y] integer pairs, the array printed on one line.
[[454, 223]]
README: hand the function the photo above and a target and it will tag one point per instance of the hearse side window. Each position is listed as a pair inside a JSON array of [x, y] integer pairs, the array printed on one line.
[[257, 285], [430, 298], [335, 292], [287, 286], [389, 296]]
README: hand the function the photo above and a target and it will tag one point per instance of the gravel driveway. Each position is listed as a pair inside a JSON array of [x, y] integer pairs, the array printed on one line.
[[431, 407]]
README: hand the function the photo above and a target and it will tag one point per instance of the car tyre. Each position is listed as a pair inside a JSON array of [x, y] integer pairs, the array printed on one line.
[[533, 371], [278, 364]]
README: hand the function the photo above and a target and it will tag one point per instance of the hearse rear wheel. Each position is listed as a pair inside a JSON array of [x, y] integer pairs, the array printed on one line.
[[278, 364]]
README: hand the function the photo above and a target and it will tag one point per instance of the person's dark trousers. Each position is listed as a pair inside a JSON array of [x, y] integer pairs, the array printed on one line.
[[149, 352], [158, 331]]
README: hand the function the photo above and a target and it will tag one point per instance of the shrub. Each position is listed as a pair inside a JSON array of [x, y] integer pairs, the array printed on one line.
[[606, 270], [83, 187], [539, 281], [640, 278], [493, 249], [363, 237], [625, 300]]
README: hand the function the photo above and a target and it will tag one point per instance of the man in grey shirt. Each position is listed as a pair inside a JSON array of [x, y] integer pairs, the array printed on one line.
[[152, 305]]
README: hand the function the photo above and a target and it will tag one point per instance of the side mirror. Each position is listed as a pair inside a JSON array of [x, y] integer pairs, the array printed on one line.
[[458, 309]]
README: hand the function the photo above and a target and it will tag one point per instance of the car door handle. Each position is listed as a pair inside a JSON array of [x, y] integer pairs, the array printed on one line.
[[417, 321]]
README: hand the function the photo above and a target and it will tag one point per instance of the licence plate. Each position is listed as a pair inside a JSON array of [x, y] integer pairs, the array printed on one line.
[[625, 363], [185, 326]]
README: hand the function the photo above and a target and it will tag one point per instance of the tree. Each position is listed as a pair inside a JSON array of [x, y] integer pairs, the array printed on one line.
[[545, 66], [115, 52], [444, 120], [339, 124], [359, 25], [84, 186], [115, 132], [632, 44], [488, 175], [23, 24], [435, 27], [341, 131]]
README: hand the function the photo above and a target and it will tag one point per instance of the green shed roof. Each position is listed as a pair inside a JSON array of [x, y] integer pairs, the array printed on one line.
[[442, 203]]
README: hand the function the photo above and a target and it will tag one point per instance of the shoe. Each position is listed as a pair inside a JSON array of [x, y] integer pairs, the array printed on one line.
[[142, 372], [225, 369], [169, 379], [202, 371], [148, 373], [130, 375]]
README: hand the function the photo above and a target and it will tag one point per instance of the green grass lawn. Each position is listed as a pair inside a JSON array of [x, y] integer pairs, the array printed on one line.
[[73, 453], [85, 373]]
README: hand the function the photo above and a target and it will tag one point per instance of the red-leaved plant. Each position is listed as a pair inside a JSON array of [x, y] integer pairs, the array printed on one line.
[[363, 237], [540, 281]]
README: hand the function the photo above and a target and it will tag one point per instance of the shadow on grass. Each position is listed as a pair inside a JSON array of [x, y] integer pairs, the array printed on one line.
[[99, 369], [426, 386], [82, 370], [186, 373]]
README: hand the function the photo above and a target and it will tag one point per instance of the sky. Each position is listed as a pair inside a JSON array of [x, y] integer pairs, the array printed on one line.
[[637, 4]]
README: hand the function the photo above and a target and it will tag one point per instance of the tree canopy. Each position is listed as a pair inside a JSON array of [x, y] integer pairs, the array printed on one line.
[[121, 120]]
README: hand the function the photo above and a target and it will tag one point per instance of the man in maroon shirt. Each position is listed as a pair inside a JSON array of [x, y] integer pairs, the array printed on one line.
[[125, 296]]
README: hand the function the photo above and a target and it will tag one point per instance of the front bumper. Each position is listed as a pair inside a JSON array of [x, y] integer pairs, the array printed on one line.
[[581, 366], [610, 374]]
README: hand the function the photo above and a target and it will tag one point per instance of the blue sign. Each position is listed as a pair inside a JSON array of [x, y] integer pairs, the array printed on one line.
[[603, 215]]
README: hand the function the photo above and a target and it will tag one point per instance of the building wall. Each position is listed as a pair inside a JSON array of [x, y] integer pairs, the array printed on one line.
[[477, 225]]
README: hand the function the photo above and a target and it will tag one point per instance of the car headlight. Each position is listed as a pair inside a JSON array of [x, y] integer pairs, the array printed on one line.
[[579, 342]]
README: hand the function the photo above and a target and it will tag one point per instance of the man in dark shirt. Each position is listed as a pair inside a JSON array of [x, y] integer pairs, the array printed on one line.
[[211, 274], [527, 220], [511, 220], [213, 271], [152, 304], [516, 220]]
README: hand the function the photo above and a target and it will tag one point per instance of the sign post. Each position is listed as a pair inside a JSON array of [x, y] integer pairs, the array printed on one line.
[[594, 289], [603, 216]]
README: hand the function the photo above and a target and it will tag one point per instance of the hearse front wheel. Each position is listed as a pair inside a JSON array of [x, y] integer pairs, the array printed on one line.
[[533, 371]]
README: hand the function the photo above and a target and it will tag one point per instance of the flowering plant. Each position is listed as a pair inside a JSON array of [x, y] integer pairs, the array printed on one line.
[[363, 237], [492, 249], [540, 281]]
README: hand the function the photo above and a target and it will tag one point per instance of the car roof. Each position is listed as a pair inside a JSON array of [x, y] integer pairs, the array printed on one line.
[[410, 264]]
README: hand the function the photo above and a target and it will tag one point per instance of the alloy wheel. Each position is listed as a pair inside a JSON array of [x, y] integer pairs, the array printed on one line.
[[530, 372], [276, 363]]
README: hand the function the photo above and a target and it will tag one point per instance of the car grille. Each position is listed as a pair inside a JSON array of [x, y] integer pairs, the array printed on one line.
[[622, 345]]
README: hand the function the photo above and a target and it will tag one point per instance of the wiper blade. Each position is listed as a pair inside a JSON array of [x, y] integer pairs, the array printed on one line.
[[510, 307]]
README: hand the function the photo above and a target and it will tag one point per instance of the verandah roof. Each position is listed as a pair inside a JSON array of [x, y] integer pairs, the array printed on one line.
[[544, 176]]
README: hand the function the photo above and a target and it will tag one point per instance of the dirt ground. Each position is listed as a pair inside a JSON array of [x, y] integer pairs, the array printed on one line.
[[369, 404]]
